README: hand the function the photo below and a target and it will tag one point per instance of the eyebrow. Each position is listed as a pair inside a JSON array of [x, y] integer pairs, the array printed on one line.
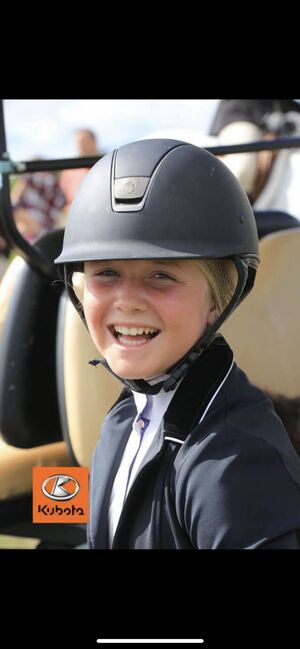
[[174, 262]]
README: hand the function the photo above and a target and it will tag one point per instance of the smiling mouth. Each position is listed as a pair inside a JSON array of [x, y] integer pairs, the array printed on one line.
[[133, 335]]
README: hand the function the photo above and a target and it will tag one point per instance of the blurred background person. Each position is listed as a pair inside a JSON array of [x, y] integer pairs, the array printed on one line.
[[37, 202], [86, 145], [270, 178]]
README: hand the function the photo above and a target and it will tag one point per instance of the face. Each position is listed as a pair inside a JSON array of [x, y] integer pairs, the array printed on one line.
[[85, 143], [144, 316]]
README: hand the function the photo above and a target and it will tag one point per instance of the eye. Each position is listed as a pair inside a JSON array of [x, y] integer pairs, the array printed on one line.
[[107, 272], [104, 274], [162, 277]]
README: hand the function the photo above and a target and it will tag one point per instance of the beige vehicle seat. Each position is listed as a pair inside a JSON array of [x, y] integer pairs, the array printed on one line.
[[86, 392], [264, 331]]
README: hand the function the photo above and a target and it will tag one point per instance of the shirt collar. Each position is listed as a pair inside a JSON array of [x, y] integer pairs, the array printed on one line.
[[153, 406]]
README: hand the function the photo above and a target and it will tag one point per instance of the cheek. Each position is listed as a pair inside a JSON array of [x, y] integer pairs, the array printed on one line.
[[196, 313], [93, 309], [184, 314]]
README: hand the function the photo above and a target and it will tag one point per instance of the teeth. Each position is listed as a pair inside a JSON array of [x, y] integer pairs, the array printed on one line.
[[134, 331]]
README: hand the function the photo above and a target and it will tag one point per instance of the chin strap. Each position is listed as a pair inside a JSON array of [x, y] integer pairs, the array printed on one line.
[[138, 385], [179, 369]]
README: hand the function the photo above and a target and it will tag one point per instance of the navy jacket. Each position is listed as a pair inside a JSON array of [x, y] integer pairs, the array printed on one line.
[[221, 472]]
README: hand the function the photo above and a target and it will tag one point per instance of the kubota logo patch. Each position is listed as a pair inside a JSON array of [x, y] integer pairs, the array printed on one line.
[[54, 488]]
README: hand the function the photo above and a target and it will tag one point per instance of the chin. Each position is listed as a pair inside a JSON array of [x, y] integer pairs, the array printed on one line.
[[129, 373]]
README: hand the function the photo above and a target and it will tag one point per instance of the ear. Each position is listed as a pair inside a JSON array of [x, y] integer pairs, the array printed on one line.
[[212, 315]]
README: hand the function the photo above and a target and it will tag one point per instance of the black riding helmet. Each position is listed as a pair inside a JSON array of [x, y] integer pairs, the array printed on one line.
[[162, 199]]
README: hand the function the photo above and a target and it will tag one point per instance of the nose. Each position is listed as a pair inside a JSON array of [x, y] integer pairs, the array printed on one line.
[[130, 297]]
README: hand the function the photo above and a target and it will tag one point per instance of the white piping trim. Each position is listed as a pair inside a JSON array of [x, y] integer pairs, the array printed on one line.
[[216, 392], [174, 439]]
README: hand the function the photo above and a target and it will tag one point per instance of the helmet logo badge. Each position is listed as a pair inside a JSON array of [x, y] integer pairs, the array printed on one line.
[[129, 187]]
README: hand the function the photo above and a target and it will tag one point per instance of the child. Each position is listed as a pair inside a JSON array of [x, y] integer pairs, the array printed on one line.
[[191, 455]]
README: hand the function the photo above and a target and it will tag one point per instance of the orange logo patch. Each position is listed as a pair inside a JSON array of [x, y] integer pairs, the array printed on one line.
[[60, 494]]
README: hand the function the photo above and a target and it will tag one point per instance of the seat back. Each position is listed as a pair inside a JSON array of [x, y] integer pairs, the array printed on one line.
[[29, 413], [86, 393], [268, 221], [264, 330]]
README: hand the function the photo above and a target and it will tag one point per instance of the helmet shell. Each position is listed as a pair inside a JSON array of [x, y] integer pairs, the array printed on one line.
[[155, 199]]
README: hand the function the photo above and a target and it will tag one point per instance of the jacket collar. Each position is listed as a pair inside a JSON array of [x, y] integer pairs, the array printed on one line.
[[193, 397], [198, 389], [189, 404]]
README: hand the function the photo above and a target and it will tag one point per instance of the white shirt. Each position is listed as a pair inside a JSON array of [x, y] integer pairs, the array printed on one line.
[[152, 408]]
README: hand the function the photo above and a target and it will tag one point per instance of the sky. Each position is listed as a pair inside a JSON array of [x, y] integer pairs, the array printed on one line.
[[45, 127]]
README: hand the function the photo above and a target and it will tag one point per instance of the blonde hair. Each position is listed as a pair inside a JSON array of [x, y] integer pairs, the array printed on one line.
[[222, 277]]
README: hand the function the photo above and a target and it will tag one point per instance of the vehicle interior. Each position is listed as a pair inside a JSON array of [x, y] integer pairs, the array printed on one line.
[[52, 400]]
